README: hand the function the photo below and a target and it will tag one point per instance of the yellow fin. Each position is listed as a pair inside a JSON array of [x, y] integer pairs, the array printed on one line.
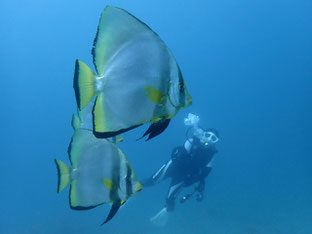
[[99, 114], [120, 138], [75, 122], [84, 84], [63, 175], [73, 196], [154, 95], [138, 187], [156, 119], [122, 202], [108, 183]]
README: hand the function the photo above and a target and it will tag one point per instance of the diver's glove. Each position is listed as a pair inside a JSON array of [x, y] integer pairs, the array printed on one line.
[[192, 120]]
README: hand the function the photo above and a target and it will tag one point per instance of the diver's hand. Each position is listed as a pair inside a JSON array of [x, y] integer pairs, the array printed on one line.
[[191, 120]]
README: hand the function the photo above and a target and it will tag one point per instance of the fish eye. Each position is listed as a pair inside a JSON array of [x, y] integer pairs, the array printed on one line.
[[181, 87]]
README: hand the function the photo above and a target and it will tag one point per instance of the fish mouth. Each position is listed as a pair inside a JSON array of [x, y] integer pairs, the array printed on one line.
[[189, 100]]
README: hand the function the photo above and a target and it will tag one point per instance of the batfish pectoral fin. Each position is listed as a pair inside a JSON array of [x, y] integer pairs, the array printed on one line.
[[115, 207], [156, 128], [154, 95], [108, 183]]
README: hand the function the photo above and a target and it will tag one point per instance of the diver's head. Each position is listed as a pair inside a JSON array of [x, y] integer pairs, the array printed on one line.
[[208, 137]]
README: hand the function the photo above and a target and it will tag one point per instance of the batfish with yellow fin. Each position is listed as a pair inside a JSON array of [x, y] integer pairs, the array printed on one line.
[[99, 173], [137, 79]]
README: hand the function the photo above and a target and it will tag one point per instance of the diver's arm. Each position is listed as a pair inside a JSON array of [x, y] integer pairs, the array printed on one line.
[[174, 190], [161, 174]]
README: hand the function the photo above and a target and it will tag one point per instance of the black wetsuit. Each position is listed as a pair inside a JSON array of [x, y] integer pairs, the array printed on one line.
[[184, 168]]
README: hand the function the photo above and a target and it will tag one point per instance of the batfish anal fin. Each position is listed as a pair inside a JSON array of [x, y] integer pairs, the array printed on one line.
[[115, 207], [155, 129]]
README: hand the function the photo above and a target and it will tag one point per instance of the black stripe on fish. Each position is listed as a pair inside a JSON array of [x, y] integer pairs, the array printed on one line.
[[111, 134], [93, 48], [113, 193], [129, 191], [76, 83], [58, 176], [181, 88]]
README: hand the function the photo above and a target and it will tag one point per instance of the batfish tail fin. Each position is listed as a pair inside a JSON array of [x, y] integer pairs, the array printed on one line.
[[63, 172], [113, 211], [84, 84]]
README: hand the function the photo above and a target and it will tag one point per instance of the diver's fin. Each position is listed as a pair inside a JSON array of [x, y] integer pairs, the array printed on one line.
[[84, 84], [63, 172], [156, 128], [113, 211], [161, 218]]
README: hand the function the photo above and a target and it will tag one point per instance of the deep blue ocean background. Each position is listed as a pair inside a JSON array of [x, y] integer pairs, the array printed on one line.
[[248, 67]]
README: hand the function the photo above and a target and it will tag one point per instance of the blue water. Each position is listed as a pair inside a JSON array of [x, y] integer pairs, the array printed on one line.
[[248, 66]]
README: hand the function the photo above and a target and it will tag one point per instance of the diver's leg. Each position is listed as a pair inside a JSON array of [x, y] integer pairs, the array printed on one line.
[[161, 174], [161, 218], [174, 190], [200, 188]]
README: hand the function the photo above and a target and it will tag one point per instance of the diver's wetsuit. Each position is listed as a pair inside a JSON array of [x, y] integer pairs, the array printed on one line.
[[185, 168]]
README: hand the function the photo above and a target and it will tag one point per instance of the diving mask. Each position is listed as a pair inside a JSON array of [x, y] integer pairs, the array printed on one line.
[[206, 137]]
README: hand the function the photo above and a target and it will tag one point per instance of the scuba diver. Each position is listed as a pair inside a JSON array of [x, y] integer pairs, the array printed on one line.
[[189, 164]]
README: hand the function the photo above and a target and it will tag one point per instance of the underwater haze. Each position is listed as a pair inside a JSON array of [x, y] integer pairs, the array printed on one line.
[[247, 65]]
